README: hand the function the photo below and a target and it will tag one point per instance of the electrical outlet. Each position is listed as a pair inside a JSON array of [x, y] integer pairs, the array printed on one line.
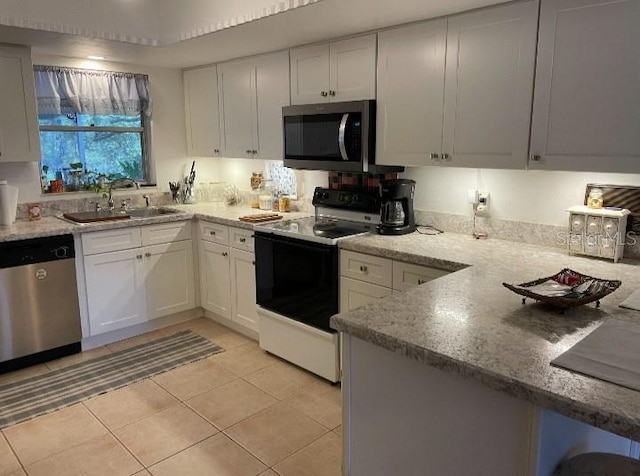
[[483, 202], [472, 196]]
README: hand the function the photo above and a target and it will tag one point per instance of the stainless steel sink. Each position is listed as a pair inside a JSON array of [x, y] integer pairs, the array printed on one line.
[[106, 215]]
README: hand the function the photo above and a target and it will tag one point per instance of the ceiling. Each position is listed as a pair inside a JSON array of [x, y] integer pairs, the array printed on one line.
[[324, 20]]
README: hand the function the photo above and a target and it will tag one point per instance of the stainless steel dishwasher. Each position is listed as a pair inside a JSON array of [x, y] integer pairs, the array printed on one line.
[[39, 312]]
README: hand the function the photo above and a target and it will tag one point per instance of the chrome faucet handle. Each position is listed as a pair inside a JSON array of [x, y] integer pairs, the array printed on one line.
[[96, 205], [146, 199], [110, 203], [124, 203]]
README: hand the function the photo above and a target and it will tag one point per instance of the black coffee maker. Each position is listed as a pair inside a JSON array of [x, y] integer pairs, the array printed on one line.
[[396, 209]]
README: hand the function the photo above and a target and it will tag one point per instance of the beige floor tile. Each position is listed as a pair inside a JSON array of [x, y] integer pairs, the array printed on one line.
[[194, 379], [8, 461], [228, 340], [143, 473], [320, 401], [18, 472], [164, 434], [202, 324], [217, 456], [50, 434], [22, 374], [126, 405], [338, 431], [269, 472], [137, 340], [323, 457], [245, 359], [78, 358], [100, 456], [231, 403], [281, 380], [276, 433]]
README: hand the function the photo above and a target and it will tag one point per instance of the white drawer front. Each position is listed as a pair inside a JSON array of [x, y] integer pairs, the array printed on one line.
[[214, 232], [111, 240], [166, 232], [370, 269], [354, 294], [407, 275], [241, 239]]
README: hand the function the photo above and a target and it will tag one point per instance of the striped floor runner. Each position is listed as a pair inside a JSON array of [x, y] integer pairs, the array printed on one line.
[[34, 396]]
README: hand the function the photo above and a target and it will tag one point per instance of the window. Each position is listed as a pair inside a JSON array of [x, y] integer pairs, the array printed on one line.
[[93, 126]]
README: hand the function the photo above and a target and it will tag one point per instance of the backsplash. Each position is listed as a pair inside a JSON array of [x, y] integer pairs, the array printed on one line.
[[351, 182]]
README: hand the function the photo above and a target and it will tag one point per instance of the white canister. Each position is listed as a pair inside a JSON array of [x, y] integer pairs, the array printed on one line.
[[8, 203]]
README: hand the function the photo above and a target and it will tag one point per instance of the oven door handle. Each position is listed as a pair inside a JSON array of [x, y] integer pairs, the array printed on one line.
[[341, 133], [274, 239]]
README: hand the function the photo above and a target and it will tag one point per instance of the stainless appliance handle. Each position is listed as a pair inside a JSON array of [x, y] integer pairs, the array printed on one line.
[[341, 131]]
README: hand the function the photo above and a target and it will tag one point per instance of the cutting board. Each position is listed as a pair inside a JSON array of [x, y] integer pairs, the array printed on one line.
[[260, 217]]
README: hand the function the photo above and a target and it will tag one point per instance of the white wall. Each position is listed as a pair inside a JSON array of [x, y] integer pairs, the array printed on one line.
[[527, 196]]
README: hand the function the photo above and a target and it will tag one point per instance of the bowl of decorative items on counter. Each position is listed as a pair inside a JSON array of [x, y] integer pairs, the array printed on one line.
[[565, 289]]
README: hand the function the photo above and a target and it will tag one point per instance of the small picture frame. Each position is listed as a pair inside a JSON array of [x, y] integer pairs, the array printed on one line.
[[34, 211]]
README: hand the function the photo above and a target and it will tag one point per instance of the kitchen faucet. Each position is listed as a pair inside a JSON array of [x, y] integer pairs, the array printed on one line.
[[120, 181]]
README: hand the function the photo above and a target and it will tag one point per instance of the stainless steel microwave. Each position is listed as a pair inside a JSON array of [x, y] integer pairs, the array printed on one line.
[[337, 136]]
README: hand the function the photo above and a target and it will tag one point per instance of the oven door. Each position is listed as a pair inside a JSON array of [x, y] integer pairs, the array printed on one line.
[[297, 279]]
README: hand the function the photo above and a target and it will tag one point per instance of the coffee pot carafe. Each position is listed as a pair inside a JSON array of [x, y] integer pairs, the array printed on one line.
[[396, 210]]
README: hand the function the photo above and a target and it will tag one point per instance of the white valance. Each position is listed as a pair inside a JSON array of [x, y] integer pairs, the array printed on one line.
[[84, 91]]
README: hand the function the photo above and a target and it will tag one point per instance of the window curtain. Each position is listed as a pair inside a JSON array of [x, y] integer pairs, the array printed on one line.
[[84, 91]]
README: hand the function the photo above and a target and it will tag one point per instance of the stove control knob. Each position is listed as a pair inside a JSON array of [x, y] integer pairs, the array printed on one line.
[[325, 195]]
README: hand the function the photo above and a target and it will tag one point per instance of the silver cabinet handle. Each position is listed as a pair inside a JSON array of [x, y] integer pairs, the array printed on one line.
[[421, 281], [332, 93], [445, 156], [138, 256], [147, 254], [364, 269], [243, 240], [434, 156], [216, 151], [224, 253], [324, 94], [535, 158], [254, 151], [248, 151], [212, 233], [253, 263], [341, 131]]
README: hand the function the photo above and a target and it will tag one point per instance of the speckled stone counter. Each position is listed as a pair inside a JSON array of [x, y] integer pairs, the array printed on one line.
[[467, 323], [214, 212]]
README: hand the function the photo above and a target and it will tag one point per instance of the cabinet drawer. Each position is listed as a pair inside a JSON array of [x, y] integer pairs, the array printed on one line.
[[594, 225], [407, 275], [214, 232], [166, 232], [111, 240], [241, 239], [577, 223], [370, 269]]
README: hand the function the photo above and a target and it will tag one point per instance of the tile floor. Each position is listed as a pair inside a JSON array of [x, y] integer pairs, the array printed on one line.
[[239, 412]]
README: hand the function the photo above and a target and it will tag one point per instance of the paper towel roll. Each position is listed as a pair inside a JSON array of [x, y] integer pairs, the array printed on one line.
[[8, 203]]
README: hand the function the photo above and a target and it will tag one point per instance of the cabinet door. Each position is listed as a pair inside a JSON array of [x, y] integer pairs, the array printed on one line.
[[585, 108], [243, 289], [354, 293], [352, 67], [488, 87], [372, 269], [215, 281], [411, 64], [271, 76], [115, 290], [201, 109], [19, 134], [234, 85], [309, 74], [169, 280]]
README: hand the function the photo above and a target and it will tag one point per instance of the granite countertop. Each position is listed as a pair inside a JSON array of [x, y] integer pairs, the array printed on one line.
[[215, 212], [469, 324]]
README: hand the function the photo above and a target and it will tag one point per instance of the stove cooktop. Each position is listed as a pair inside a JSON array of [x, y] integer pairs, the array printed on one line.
[[326, 230]]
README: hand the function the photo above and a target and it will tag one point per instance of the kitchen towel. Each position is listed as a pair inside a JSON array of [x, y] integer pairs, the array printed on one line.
[[633, 301], [610, 353]]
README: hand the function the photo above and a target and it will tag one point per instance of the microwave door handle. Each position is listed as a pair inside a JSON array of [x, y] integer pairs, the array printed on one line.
[[341, 132]]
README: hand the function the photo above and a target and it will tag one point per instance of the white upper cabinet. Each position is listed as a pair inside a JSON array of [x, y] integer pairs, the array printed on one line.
[[252, 93], [19, 134], [488, 87], [474, 114], [340, 71], [586, 113], [411, 63], [201, 109]]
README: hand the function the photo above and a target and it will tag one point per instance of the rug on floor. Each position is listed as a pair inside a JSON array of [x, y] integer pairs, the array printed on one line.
[[35, 396]]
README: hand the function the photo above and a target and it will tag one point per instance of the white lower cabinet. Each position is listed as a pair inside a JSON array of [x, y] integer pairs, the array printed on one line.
[[365, 278], [227, 274], [131, 285]]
